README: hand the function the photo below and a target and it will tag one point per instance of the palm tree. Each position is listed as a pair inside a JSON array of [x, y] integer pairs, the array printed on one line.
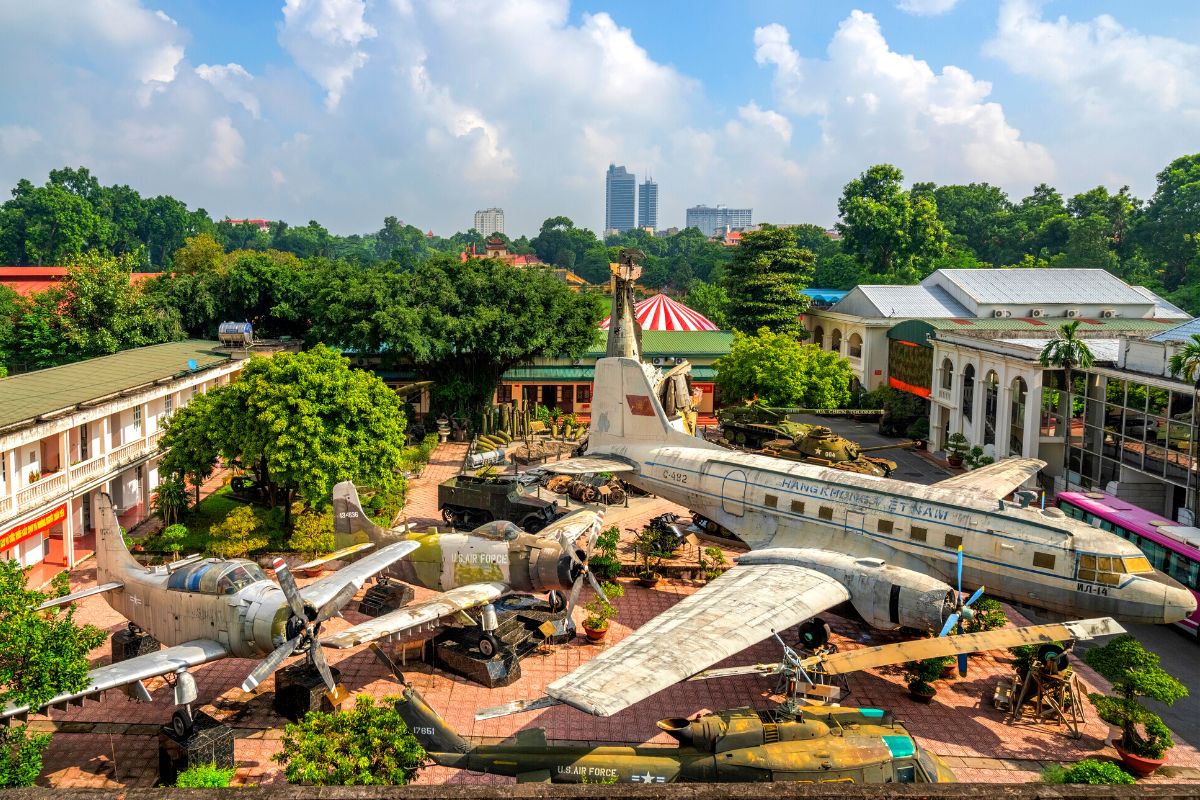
[[1185, 363], [1067, 352]]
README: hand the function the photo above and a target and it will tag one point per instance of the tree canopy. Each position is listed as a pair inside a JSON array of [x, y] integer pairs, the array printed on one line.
[[780, 371], [764, 280]]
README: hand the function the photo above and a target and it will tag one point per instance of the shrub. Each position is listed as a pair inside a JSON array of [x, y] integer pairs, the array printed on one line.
[[923, 673], [205, 776], [170, 500], [172, 537], [957, 445], [368, 745], [599, 611], [919, 429], [238, 534], [1089, 771], [604, 560], [1134, 672], [312, 531], [21, 756], [712, 561], [988, 616]]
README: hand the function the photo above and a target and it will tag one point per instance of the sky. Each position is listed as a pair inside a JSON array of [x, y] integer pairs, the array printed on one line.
[[347, 111]]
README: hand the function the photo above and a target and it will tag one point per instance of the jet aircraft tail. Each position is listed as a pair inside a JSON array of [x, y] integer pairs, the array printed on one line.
[[112, 556], [351, 525], [440, 741], [626, 410]]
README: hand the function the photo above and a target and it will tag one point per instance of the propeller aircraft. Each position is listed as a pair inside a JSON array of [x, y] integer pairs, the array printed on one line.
[[205, 609], [469, 570]]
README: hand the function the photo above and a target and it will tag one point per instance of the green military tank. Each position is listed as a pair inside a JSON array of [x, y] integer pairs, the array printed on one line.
[[816, 444]]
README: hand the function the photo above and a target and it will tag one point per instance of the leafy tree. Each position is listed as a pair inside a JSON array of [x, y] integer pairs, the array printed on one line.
[[58, 225], [200, 254], [191, 445], [170, 500], [1134, 672], [42, 654], [172, 538], [1171, 225], [764, 280], [266, 289], [780, 371], [711, 300], [367, 746], [886, 228], [977, 217], [239, 534], [1067, 352], [312, 531]]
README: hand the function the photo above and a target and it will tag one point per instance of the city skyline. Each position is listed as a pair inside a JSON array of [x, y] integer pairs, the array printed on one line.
[[347, 112], [648, 204], [620, 203]]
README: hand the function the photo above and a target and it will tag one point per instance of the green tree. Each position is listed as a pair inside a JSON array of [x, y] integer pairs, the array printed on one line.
[[58, 225], [239, 534], [191, 446], [1171, 226], [764, 280], [1185, 363], [1134, 672], [780, 371], [200, 254], [886, 228], [977, 217], [312, 531], [170, 500], [42, 654], [173, 537], [711, 300], [368, 745], [1066, 352]]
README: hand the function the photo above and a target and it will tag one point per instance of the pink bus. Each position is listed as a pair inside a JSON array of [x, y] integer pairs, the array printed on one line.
[[1170, 547]]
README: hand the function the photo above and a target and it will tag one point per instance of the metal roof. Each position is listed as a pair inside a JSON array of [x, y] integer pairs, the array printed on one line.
[[1045, 286], [33, 394], [904, 301], [586, 372], [1163, 308], [1112, 325], [678, 343], [1180, 333], [1105, 350]]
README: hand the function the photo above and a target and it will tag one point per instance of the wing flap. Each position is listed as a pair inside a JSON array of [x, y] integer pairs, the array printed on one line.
[[738, 609], [123, 673], [320, 592], [997, 480], [414, 615], [584, 465]]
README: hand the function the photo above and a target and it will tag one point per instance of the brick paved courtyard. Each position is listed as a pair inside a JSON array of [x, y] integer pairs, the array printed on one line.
[[114, 742]]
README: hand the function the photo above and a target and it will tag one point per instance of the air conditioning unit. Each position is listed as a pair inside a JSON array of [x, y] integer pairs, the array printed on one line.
[[656, 361], [1108, 313], [680, 360], [1072, 312], [1000, 313], [1037, 312]]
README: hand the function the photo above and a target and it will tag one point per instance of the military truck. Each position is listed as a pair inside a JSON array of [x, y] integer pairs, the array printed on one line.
[[468, 501]]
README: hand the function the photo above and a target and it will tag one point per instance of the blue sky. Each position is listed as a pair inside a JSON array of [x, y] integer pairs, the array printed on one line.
[[346, 111]]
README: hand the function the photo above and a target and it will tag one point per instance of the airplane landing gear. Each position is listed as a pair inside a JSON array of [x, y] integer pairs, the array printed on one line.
[[182, 722], [557, 602], [489, 645], [814, 633]]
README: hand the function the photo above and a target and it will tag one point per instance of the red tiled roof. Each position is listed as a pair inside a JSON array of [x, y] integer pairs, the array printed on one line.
[[28, 280]]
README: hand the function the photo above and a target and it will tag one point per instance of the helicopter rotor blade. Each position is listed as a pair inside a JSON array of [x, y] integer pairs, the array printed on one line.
[[266, 668], [765, 670]]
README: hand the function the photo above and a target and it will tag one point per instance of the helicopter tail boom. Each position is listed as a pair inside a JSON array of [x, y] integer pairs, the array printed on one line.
[[440, 741]]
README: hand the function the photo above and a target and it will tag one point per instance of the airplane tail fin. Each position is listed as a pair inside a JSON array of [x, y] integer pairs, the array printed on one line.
[[440, 741], [351, 525], [112, 556], [626, 409]]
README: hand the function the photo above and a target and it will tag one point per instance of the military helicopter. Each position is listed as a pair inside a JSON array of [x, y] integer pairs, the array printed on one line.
[[205, 609], [469, 570]]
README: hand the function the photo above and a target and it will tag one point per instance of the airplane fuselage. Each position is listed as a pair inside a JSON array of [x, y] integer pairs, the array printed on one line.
[[1026, 555]]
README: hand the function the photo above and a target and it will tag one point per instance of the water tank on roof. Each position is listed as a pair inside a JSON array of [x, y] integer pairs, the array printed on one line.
[[236, 334]]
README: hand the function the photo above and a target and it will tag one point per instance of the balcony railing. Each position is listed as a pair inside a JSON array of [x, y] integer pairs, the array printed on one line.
[[77, 474]]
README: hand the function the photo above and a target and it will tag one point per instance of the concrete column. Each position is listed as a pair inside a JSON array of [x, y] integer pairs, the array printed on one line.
[[1033, 414], [11, 467], [105, 443], [69, 534]]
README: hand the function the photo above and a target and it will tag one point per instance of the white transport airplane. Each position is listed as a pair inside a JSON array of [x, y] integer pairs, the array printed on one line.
[[820, 537]]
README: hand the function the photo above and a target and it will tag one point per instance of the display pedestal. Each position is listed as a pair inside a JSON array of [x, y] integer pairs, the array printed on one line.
[[129, 643], [385, 597], [523, 625], [210, 742], [300, 689]]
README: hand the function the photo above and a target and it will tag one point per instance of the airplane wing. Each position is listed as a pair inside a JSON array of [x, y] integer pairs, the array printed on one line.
[[320, 592], [738, 609], [151, 665], [588, 464], [416, 615], [995, 480]]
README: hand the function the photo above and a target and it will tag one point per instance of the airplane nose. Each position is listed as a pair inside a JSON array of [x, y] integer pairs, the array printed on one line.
[[1178, 603]]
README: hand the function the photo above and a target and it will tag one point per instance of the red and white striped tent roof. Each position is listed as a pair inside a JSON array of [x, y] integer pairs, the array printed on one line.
[[661, 313]]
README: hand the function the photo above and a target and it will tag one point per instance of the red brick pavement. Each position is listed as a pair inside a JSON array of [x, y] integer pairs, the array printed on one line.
[[113, 742]]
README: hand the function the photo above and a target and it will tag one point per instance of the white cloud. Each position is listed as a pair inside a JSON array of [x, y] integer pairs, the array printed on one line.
[[17, 139], [233, 83], [765, 118], [874, 104], [926, 8], [226, 149], [323, 36]]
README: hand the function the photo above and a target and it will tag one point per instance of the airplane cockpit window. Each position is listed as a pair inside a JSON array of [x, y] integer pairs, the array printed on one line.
[[500, 529], [215, 576]]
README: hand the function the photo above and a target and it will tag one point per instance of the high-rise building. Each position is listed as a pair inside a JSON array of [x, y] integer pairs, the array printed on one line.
[[620, 187], [648, 205], [709, 219], [489, 221]]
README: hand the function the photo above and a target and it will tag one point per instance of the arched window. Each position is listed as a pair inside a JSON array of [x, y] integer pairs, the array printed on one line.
[[855, 344], [947, 374], [968, 391], [991, 399], [1016, 439], [835, 340], [819, 336]]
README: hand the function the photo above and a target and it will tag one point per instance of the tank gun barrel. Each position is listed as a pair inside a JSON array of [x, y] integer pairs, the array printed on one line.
[[908, 445]]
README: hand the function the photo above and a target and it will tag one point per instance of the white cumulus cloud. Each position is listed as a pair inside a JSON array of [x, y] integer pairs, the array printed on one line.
[[232, 82], [324, 37], [926, 8]]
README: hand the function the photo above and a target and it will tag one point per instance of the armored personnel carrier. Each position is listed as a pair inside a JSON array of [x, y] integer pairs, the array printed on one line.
[[468, 501]]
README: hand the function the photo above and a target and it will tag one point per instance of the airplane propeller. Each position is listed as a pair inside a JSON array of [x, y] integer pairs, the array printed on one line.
[[304, 624], [962, 610], [582, 570]]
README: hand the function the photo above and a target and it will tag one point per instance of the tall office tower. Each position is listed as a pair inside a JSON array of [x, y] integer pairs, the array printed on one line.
[[489, 221], [619, 190], [648, 205], [709, 219]]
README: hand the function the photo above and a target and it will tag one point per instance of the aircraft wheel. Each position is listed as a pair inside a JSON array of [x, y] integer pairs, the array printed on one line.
[[489, 645], [181, 723], [450, 516], [814, 633], [557, 602]]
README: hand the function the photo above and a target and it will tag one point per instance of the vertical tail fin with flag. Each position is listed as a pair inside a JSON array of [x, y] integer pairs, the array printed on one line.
[[351, 525], [626, 410], [112, 556]]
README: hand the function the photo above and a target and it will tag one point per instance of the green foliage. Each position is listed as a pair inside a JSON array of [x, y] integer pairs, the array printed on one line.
[[782, 372], [1024, 655], [312, 531], [922, 673], [599, 611], [897, 404], [238, 534], [1135, 672], [988, 616], [764, 280], [1185, 362], [649, 545], [919, 429], [887, 229], [21, 756], [1170, 229], [975, 458], [191, 442], [957, 445], [711, 300], [205, 776], [712, 561], [170, 500], [1088, 771], [368, 745], [604, 560], [172, 538]]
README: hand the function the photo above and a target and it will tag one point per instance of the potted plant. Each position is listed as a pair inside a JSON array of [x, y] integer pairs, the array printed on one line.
[[650, 551], [1135, 672], [604, 561], [957, 447], [595, 626], [922, 674], [976, 459], [919, 431], [988, 615]]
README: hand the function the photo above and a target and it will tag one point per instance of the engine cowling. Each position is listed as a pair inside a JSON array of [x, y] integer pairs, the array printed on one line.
[[550, 568], [887, 597]]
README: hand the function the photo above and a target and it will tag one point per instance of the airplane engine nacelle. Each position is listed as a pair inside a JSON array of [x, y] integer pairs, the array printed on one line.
[[886, 597], [549, 567]]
